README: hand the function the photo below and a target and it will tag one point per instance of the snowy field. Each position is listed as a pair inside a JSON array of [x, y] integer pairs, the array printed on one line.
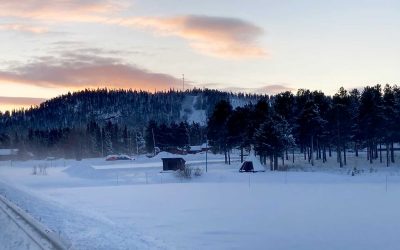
[[96, 204]]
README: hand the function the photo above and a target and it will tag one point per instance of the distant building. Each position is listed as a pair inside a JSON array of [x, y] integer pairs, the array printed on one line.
[[205, 147], [176, 150], [173, 164], [194, 149], [7, 154], [199, 148]]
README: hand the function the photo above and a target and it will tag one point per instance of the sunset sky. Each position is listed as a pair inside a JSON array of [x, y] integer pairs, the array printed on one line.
[[49, 47]]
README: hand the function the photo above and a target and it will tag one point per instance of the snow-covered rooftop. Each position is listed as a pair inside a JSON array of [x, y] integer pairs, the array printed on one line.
[[8, 151]]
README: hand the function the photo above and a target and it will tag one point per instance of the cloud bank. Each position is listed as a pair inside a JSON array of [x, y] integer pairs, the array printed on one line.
[[222, 37], [78, 70], [272, 89], [20, 101]]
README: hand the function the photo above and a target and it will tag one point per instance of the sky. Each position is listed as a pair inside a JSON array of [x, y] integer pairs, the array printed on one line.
[[50, 47]]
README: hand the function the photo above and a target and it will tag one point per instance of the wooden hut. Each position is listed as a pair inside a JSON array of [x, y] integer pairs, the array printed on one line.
[[173, 164]]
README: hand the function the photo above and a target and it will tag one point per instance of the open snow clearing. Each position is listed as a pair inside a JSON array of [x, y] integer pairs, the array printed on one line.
[[132, 205]]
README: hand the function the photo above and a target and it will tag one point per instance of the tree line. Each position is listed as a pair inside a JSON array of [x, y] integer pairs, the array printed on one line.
[[275, 126], [132, 108], [313, 123], [97, 140], [169, 137], [93, 123]]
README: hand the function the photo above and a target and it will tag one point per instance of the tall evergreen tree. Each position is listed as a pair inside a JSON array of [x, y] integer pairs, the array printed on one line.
[[272, 138], [371, 119], [217, 132], [238, 127]]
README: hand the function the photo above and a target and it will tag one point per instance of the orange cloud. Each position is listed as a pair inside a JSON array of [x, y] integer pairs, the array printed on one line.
[[23, 28], [79, 71], [10, 103], [215, 36], [20, 100], [64, 10]]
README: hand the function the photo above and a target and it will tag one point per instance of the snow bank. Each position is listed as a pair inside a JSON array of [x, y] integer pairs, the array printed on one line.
[[163, 154], [83, 171]]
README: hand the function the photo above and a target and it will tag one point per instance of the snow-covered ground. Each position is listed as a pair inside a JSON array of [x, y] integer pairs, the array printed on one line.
[[11, 236], [190, 114], [131, 205]]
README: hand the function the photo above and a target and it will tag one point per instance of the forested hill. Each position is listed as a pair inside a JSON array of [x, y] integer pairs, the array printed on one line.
[[124, 107]]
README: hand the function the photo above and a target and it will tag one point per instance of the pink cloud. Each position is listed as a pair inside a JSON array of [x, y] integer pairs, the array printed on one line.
[[16, 103], [77, 70], [222, 37], [20, 101], [215, 36], [23, 28], [65, 10]]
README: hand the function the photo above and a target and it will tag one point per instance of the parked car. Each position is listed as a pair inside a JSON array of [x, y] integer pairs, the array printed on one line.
[[125, 157], [118, 158]]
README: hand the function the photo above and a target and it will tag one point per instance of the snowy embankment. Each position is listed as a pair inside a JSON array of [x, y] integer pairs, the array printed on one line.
[[27, 233], [11, 236], [131, 205]]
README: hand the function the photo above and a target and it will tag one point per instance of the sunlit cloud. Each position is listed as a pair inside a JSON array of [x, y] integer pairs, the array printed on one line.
[[223, 37], [62, 10], [272, 89], [216, 36], [11, 103], [20, 100], [24, 28], [78, 71]]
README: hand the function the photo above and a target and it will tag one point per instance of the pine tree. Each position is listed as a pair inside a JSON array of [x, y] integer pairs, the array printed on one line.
[[371, 118], [389, 122], [272, 138], [108, 138], [341, 114], [284, 105], [125, 140], [217, 133], [238, 126], [151, 129], [311, 125]]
